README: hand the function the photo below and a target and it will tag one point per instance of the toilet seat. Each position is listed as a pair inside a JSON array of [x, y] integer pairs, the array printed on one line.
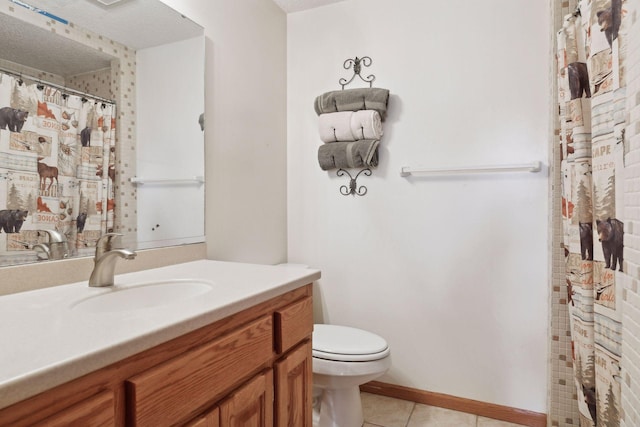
[[346, 344]]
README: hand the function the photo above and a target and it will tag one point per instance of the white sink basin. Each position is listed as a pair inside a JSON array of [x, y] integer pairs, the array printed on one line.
[[145, 295]]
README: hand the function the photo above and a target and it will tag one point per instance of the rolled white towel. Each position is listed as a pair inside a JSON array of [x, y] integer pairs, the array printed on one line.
[[350, 126], [366, 124], [335, 126]]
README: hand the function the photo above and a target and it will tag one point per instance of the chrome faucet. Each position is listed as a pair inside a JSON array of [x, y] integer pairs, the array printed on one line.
[[105, 260], [55, 248]]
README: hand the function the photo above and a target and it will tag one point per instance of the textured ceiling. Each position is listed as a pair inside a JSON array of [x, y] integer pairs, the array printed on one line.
[[134, 23], [298, 5], [43, 50]]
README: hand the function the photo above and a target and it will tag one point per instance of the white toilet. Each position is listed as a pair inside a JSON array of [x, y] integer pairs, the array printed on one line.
[[343, 359]]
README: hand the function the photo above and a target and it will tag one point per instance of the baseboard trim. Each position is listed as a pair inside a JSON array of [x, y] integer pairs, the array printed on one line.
[[489, 410]]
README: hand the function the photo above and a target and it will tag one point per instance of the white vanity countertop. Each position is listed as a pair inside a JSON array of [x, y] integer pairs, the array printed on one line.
[[44, 343]]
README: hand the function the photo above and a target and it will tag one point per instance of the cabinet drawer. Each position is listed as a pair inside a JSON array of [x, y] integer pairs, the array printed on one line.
[[97, 411], [293, 324], [177, 389]]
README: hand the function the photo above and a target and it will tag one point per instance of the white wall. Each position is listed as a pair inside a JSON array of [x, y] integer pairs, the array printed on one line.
[[170, 214], [451, 271], [245, 115]]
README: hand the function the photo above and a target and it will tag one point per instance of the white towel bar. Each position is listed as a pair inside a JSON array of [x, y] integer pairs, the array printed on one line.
[[196, 180], [528, 167]]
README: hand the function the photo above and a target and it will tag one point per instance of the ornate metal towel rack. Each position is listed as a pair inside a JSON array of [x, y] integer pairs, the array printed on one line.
[[353, 186], [357, 64]]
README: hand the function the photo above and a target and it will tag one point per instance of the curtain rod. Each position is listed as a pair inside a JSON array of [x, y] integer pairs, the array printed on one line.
[[63, 89]]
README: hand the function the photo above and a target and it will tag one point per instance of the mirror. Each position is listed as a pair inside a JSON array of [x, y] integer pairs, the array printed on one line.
[[149, 60]]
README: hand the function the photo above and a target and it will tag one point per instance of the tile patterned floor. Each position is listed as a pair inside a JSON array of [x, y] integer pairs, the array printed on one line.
[[382, 411]]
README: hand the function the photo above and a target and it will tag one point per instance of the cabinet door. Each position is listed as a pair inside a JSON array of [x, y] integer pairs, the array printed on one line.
[[210, 419], [251, 405], [294, 388]]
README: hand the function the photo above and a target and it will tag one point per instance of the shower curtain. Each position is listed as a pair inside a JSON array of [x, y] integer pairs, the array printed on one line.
[[57, 157], [591, 96]]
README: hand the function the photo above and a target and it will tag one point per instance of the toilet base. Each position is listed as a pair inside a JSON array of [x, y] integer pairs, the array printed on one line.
[[338, 408]]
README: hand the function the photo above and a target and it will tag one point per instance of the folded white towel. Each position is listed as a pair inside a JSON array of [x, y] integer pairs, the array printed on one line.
[[350, 126]]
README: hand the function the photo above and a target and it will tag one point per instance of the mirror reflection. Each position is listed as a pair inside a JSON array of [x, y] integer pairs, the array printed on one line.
[[101, 130]]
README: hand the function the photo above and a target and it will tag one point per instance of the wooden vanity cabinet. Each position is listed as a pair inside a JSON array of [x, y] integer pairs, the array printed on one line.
[[251, 405], [293, 385], [250, 369], [293, 370], [210, 418], [177, 389], [98, 410]]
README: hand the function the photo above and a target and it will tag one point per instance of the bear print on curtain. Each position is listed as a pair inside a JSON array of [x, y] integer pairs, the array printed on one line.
[[57, 157], [591, 49]]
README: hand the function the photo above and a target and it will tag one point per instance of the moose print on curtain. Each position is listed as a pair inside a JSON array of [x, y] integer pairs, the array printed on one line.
[[591, 49], [57, 156]]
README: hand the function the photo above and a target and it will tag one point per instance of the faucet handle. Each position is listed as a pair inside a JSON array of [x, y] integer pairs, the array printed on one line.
[[107, 242]]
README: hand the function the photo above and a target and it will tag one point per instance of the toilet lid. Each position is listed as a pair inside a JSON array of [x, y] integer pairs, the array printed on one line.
[[347, 344]]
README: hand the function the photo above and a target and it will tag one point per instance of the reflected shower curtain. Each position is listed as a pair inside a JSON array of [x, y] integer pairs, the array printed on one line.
[[57, 157], [591, 97]]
